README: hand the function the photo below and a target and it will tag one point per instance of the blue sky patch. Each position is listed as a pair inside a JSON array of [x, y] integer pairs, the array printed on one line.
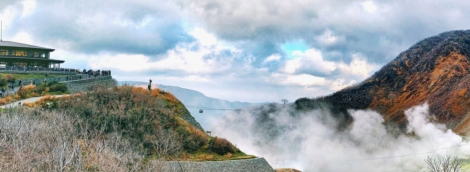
[[290, 47]]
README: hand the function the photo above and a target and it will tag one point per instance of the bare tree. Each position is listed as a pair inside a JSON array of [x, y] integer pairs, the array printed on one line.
[[443, 164], [284, 101], [32, 140], [167, 144]]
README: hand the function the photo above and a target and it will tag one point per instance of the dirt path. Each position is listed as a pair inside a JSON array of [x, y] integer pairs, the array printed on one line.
[[28, 100]]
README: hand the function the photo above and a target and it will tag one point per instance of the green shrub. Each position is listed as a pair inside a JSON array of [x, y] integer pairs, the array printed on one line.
[[221, 146], [191, 141], [40, 88], [3, 81], [58, 87], [53, 87]]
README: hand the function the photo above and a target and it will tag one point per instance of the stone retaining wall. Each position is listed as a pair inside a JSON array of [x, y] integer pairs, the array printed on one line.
[[246, 165], [68, 78], [86, 84]]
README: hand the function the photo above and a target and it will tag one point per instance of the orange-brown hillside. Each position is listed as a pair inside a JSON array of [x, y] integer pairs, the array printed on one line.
[[443, 87], [435, 70]]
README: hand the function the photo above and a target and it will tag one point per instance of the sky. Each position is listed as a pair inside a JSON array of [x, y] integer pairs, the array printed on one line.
[[253, 51]]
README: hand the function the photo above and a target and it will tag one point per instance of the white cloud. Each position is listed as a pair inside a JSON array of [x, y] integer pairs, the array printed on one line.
[[359, 67], [203, 37], [298, 80], [274, 57], [199, 57], [310, 69], [22, 37], [204, 56], [7, 16], [309, 62], [124, 62], [189, 78], [369, 6], [28, 7], [328, 38]]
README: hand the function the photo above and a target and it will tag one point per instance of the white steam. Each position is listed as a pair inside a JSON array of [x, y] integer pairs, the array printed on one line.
[[310, 143]]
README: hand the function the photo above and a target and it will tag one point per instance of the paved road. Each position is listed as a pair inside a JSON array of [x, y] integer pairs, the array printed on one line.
[[28, 100]]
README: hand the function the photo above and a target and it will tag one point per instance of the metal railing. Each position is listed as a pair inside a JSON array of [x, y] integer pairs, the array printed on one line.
[[10, 68]]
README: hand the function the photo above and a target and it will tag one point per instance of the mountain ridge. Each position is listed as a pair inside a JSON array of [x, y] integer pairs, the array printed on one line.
[[434, 70]]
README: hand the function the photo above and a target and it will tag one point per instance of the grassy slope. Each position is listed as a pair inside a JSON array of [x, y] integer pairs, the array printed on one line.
[[31, 76], [142, 117]]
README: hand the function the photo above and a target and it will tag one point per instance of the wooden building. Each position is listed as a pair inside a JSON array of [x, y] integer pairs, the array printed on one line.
[[15, 55]]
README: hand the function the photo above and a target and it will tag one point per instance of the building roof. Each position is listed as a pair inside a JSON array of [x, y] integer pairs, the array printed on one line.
[[21, 45]]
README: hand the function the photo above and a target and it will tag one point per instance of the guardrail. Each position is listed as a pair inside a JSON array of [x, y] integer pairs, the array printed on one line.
[[8, 68], [68, 78], [18, 70]]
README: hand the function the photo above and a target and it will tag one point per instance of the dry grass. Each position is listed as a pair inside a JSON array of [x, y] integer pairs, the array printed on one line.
[[33, 140], [8, 99], [151, 124]]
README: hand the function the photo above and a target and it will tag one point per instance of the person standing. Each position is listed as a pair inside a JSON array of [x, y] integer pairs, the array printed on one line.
[[150, 84]]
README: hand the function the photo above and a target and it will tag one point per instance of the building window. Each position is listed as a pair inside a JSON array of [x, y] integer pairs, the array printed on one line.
[[3, 52], [36, 54], [19, 53], [20, 64]]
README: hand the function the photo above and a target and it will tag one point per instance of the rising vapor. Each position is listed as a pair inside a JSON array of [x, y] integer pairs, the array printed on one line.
[[312, 141]]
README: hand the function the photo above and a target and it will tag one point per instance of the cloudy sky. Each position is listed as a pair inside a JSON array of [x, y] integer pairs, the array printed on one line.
[[256, 50]]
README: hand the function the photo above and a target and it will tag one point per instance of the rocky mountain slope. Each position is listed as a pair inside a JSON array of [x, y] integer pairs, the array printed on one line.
[[435, 70]]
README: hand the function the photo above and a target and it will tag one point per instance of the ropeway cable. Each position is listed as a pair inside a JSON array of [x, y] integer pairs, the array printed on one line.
[[206, 108]]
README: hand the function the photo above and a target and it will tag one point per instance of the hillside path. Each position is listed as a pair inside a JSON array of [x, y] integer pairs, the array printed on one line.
[[28, 100]]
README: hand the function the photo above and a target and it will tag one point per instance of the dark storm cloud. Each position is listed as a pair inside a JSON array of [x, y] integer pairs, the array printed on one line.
[[132, 27]]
